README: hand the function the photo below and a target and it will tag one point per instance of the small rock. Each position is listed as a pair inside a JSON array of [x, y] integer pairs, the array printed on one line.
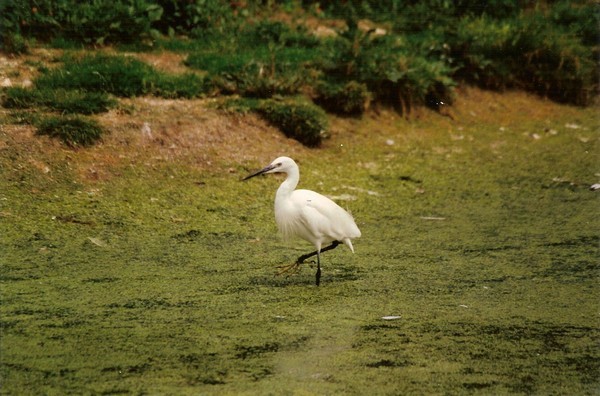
[[6, 83], [146, 130]]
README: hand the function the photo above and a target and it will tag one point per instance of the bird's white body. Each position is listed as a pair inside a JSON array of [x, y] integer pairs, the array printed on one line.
[[313, 217], [308, 215]]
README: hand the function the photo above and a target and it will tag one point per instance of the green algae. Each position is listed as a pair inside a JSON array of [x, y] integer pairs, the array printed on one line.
[[483, 241]]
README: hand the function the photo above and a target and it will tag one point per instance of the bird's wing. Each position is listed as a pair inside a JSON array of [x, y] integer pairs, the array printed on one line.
[[324, 217]]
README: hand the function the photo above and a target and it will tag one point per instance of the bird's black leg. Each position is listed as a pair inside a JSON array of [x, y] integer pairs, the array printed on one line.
[[318, 275], [333, 245], [296, 266], [301, 259]]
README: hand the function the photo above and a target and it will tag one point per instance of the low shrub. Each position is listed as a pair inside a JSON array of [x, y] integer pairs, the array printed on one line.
[[78, 102], [254, 82], [121, 76], [262, 72], [14, 43], [277, 33], [581, 19], [187, 85], [195, 18], [73, 131], [393, 71], [527, 53], [545, 47], [350, 98], [299, 120], [118, 75], [91, 22], [65, 101], [239, 105], [20, 98], [551, 63], [23, 117], [226, 62]]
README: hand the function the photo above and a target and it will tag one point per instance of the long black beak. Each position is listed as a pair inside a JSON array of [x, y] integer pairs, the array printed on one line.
[[260, 172]]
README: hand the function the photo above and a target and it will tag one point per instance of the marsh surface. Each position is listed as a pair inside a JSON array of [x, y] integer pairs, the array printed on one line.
[[144, 265]]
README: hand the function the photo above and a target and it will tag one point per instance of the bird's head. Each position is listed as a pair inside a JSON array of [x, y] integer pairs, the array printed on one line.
[[279, 165]]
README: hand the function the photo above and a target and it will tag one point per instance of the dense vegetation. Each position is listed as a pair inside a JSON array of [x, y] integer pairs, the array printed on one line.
[[413, 54]]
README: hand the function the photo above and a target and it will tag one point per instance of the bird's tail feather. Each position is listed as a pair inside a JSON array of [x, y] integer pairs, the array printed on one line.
[[348, 243]]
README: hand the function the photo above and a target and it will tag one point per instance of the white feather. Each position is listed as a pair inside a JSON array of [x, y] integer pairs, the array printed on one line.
[[309, 215]]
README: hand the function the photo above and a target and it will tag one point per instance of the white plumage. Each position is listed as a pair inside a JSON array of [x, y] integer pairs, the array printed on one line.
[[308, 215]]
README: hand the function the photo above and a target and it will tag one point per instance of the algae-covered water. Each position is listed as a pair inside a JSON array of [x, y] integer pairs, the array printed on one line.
[[480, 248]]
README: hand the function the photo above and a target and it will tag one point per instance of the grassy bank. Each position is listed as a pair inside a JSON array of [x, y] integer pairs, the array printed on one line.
[[143, 264]]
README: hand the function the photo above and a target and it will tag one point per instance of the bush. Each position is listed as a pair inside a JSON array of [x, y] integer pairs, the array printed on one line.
[[194, 17], [481, 44], [393, 71], [216, 63], [73, 131], [262, 72], [254, 82], [118, 75], [527, 53], [66, 101], [545, 47], [427, 12], [350, 98], [187, 85], [20, 98], [14, 43], [121, 76], [580, 19], [264, 59], [304, 122], [95, 22], [104, 21], [552, 63]]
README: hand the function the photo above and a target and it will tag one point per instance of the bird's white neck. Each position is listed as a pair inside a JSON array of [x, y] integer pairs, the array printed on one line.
[[289, 184]]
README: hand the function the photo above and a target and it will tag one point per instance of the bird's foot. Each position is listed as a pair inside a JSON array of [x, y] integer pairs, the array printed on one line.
[[291, 269]]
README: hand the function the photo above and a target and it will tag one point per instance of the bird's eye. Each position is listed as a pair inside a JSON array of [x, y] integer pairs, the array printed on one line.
[[278, 164]]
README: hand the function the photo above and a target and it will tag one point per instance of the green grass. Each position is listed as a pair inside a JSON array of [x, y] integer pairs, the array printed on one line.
[[73, 131], [260, 72], [161, 278], [65, 101], [187, 86], [118, 75], [121, 76]]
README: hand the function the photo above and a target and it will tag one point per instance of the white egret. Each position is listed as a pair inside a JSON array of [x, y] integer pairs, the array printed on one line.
[[308, 215]]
